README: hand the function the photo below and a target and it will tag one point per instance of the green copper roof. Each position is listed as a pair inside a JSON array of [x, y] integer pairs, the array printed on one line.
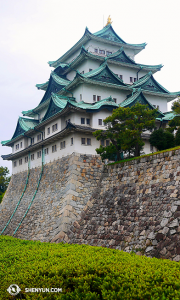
[[23, 125], [42, 86], [104, 74], [138, 97], [59, 103], [148, 83], [169, 115], [4, 142], [106, 35]]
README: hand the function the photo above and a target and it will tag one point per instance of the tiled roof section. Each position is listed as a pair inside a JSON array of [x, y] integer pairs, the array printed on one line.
[[169, 115], [148, 83], [104, 74], [108, 33], [138, 97], [56, 83], [42, 86], [23, 125], [122, 57], [58, 103]]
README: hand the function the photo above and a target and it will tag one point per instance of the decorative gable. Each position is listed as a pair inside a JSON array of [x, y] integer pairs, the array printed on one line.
[[151, 85], [109, 34], [106, 76]]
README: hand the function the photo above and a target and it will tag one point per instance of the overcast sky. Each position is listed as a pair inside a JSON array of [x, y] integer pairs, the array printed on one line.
[[34, 32]]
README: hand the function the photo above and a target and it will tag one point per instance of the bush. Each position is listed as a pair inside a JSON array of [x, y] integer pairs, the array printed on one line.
[[84, 272], [162, 139]]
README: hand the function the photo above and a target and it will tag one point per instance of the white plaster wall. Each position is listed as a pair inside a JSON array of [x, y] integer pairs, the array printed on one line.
[[24, 145], [103, 114], [126, 72], [156, 100], [50, 124], [91, 45], [88, 90]]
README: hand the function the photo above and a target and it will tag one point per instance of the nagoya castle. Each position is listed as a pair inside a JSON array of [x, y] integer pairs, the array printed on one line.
[[54, 162]]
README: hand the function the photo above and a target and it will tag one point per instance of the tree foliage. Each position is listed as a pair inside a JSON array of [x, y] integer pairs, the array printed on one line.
[[175, 122], [124, 129], [4, 181], [162, 139]]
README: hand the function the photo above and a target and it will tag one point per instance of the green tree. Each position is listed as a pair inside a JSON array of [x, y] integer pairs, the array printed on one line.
[[124, 129], [177, 137], [4, 181], [175, 122], [162, 139]]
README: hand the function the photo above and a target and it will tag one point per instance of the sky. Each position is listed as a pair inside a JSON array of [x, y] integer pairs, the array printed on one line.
[[34, 32]]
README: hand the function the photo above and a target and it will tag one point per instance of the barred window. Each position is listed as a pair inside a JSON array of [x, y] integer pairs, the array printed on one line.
[[38, 154], [15, 163], [32, 156], [20, 162], [39, 137], [54, 127], [26, 159], [48, 130], [82, 120], [63, 145], [46, 151], [54, 148]]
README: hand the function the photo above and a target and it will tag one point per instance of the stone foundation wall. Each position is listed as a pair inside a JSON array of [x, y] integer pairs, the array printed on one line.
[[65, 188], [135, 208]]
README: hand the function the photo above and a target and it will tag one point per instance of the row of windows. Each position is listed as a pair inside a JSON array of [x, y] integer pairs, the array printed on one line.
[[17, 146], [101, 51], [84, 141]]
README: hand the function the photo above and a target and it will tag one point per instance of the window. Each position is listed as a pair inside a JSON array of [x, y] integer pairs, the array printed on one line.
[[26, 159], [21, 145], [80, 97], [88, 121], [121, 77], [71, 141], [15, 163], [98, 98], [32, 156], [20, 162], [38, 154], [54, 127], [82, 120], [17, 146], [63, 145], [88, 141], [83, 141], [115, 100], [67, 121], [101, 51], [54, 148], [39, 137], [44, 134], [102, 142], [46, 151], [135, 79], [96, 50], [32, 141], [48, 130], [107, 143], [82, 72], [108, 52], [94, 98], [131, 79], [99, 121], [154, 106], [90, 70], [151, 148]]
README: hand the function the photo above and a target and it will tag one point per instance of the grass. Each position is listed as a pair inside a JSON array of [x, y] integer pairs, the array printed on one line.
[[145, 155], [84, 272]]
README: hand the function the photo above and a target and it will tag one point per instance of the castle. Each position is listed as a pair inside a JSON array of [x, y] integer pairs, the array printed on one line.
[[91, 79]]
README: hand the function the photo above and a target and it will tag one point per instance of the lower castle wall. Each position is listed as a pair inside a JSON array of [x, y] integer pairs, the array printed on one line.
[[133, 206], [136, 207], [64, 190]]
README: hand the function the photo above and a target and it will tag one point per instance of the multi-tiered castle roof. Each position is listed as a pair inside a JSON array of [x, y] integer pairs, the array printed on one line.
[[97, 75]]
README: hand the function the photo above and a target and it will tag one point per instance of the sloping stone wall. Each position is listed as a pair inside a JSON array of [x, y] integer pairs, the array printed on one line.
[[135, 208], [65, 188]]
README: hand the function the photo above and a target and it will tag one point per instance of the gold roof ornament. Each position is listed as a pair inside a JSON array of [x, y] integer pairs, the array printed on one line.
[[109, 21]]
